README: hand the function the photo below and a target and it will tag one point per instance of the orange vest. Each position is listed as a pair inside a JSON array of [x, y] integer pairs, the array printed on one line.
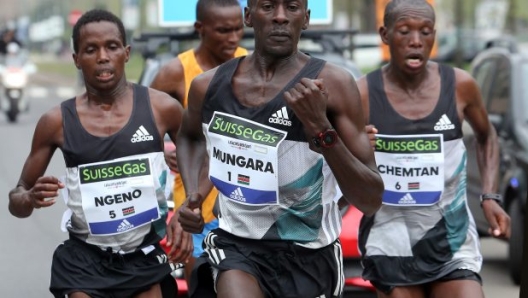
[[191, 69]]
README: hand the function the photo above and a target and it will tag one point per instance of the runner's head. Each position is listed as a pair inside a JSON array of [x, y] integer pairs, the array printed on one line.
[[220, 26], [100, 50], [96, 15], [277, 25], [409, 31]]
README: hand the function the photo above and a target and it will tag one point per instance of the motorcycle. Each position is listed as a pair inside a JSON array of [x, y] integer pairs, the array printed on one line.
[[14, 72]]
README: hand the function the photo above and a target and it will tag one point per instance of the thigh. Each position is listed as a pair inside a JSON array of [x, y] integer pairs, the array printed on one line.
[[403, 292], [78, 295], [153, 292], [456, 289], [237, 283]]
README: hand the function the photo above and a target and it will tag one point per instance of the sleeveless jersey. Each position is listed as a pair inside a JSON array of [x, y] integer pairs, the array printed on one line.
[[418, 236], [192, 69], [271, 185], [115, 185]]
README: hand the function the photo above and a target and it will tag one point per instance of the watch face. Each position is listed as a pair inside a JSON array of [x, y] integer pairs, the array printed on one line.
[[329, 138]]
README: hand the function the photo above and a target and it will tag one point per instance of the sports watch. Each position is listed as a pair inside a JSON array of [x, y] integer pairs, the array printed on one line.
[[491, 196], [325, 139]]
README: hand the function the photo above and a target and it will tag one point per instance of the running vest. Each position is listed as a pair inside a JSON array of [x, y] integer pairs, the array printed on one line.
[[115, 186], [424, 228], [192, 69], [271, 185]]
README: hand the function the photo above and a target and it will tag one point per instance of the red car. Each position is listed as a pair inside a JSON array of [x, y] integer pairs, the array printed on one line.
[[355, 285]]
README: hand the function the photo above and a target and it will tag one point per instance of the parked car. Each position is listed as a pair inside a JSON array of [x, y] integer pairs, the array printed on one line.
[[501, 72], [326, 45]]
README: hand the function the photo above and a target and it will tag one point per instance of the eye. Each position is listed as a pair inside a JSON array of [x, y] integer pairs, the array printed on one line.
[[293, 7]]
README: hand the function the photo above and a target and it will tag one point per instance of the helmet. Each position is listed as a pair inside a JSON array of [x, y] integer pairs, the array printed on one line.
[[13, 48]]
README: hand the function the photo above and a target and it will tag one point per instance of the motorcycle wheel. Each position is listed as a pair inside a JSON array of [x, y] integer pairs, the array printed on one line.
[[12, 114]]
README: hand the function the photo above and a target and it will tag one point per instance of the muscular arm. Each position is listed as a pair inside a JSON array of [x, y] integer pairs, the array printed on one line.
[[171, 80], [191, 143], [469, 99], [167, 112], [352, 158], [28, 194]]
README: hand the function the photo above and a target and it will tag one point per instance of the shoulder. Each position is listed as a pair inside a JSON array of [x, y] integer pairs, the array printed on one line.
[[173, 68], [49, 127], [466, 86], [163, 103]]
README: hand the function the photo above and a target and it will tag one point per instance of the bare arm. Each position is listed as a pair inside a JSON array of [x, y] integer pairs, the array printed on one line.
[[352, 158], [33, 190], [171, 80], [474, 111]]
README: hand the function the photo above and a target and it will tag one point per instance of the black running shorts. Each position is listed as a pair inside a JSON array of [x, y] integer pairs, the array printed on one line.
[[281, 268], [81, 267]]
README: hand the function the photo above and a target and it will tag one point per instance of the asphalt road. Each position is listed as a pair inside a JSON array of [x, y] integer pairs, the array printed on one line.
[[27, 245]]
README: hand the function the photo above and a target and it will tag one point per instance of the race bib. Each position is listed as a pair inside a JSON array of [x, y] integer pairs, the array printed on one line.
[[243, 159], [118, 195], [412, 168]]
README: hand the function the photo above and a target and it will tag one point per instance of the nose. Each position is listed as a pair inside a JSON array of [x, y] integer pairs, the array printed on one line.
[[280, 16], [102, 56], [415, 39], [234, 36]]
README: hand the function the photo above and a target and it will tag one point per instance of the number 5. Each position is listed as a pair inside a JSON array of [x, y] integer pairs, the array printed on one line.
[[112, 214]]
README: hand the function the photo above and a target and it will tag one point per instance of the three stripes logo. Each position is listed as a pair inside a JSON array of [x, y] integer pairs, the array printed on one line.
[[444, 124], [237, 195], [125, 225], [281, 117], [407, 199], [141, 135]]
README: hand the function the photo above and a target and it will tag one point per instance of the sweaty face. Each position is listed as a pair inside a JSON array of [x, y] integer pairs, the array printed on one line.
[[277, 24], [411, 37], [102, 55], [222, 30]]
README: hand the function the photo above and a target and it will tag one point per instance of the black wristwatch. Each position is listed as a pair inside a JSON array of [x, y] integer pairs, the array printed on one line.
[[325, 139], [491, 196]]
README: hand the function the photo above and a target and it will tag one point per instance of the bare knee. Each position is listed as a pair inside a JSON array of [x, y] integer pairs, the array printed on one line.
[[457, 289], [237, 284]]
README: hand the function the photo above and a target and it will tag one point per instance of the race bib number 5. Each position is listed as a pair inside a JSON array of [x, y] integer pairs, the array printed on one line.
[[118, 196]]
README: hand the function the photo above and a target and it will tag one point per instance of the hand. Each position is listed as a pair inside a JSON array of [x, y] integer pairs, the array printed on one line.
[[309, 99], [497, 218], [371, 131], [45, 191], [170, 159], [190, 214], [179, 241]]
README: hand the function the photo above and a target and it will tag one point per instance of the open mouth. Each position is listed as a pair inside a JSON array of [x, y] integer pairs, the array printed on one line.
[[414, 60], [104, 75]]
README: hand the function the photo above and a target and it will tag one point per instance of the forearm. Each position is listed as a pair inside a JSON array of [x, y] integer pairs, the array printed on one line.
[[19, 203], [360, 184], [192, 163], [488, 162]]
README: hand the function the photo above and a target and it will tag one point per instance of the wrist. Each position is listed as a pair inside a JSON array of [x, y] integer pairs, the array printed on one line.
[[487, 198], [325, 139]]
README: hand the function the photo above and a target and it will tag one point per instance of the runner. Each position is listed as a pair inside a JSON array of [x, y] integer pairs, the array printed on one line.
[[278, 125], [111, 138], [220, 26], [424, 231]]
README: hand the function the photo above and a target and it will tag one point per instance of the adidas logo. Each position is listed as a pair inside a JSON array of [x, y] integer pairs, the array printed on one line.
[[124, 226], [281, 117], [407, 199], [237, 195], [444, 124], [141, 135]]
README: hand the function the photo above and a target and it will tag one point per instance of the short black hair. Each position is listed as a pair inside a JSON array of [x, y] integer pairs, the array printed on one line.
[[203, 5], [392, 7], [96, 15]]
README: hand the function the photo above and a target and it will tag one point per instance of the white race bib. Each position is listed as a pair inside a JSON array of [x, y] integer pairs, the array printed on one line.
[[118, 195], [412, 168], [243, 159]]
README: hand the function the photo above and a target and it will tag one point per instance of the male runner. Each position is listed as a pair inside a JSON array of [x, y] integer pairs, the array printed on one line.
[[423, 241], [275, 130], [111, 138]]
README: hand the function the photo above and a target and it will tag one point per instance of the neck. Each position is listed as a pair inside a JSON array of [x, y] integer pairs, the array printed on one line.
[[267, 65], [108, 96], [207, 59], [405, 80]]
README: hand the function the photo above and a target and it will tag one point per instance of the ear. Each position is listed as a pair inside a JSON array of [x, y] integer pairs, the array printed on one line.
[[306, 19], [127, 53], [76, 61], [247, 17], [198, 26], [384, 34]]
